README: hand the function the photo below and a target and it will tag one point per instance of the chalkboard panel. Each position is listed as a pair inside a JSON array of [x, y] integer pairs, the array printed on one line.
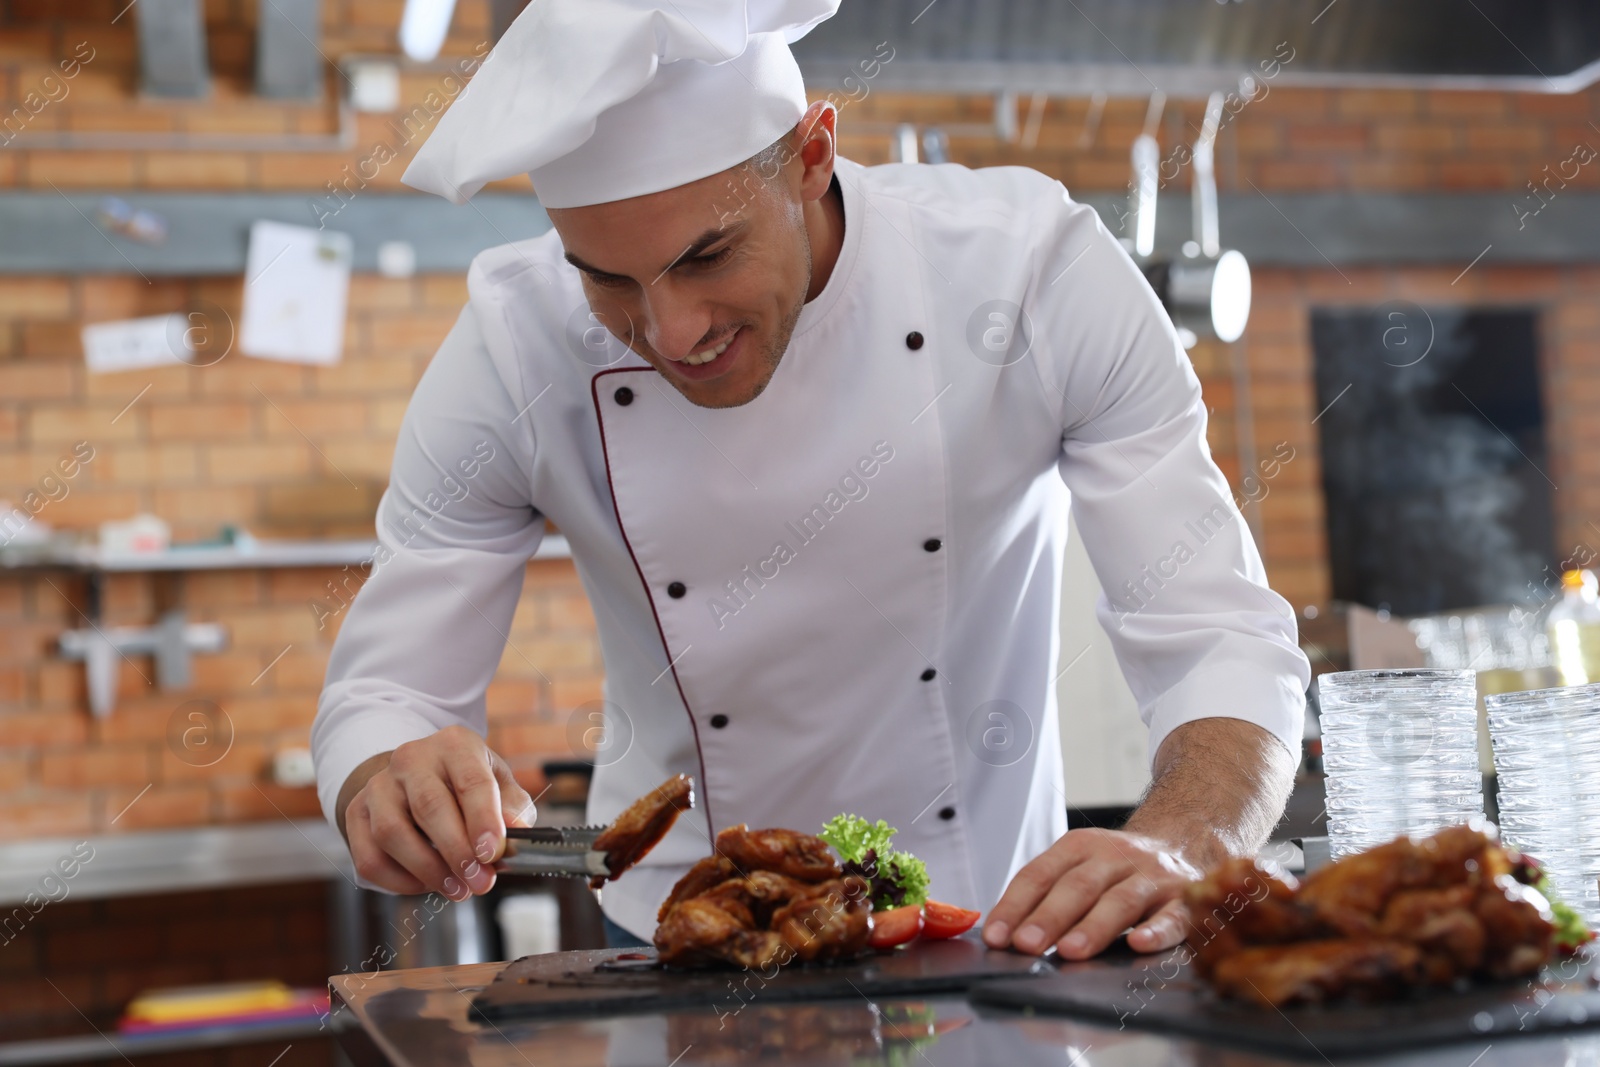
[[1433, 456]]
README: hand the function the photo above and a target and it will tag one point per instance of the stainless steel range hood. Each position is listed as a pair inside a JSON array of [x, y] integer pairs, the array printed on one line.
[[1193, 47]]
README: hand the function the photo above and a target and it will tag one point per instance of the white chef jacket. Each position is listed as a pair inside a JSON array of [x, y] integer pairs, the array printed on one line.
[[842, 596]]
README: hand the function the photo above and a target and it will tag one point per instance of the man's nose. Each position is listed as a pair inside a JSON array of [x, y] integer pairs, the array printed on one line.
[[674, 322]]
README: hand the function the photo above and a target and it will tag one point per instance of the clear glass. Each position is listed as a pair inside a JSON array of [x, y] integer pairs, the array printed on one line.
[[1547, 773], [1400, 748]]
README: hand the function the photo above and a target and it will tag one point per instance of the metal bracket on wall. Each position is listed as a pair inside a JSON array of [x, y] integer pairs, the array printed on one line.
[[289, 62], [172, 641], [172, 49]]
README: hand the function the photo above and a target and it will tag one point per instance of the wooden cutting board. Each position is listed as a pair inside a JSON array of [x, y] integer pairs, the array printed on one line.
[[1160, 995], [621, 981]]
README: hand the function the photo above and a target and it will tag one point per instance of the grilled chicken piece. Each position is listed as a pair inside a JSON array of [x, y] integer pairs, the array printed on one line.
[[1350, 894], [1242, 903], [642, 825], [711, 871], [717, 926], [1313, 971], [1442, 923], [1519, 925], [789, 852], [1413, 912], [730, 910], [829, 920]]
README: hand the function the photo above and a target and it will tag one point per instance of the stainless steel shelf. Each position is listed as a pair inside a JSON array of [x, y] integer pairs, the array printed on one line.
[[208, 857], [260, 555]]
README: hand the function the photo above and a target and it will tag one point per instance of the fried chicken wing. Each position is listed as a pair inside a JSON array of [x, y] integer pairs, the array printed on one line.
[[828, 920], [1313, 971], [789, 852], [716, 927], [1519, 925], [1241, 903], [766, 898], [1442, 924], [642, 825], [711, 871], [1412, 912]]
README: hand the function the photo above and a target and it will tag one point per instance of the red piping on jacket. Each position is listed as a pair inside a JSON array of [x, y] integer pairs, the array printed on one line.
[[605, 451]]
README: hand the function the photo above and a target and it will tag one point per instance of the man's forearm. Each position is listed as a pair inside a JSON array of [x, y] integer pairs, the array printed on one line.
[[1220, 786]]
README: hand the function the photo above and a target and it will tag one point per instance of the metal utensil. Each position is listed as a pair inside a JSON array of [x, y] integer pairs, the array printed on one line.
[[554, 850]]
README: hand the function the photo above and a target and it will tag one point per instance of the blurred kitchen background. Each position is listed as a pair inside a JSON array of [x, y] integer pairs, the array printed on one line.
[[1408, 418]]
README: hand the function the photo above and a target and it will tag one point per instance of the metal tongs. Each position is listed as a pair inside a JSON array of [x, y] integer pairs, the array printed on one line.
[[554, 850]]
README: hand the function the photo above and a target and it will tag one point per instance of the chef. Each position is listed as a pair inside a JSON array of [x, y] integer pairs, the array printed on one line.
[[812, 430]]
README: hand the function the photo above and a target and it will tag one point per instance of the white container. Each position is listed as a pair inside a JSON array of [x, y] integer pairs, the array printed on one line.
[[1400, 748], [530, 924], [1547, 773]]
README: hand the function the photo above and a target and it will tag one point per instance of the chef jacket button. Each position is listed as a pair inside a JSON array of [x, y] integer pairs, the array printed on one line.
[[929, 674], [718, 721], [932, 544], [947, 814], [624, 396], [675, 590], [913, 340]]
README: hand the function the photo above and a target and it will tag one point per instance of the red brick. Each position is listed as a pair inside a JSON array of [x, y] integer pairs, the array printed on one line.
[[79, 170], [1328, 137], [160, 808], [94, 767], [1376, 103], [41, 728], [265, 801], [35, 298], [49, 815], [201, 421], [1459, 103]]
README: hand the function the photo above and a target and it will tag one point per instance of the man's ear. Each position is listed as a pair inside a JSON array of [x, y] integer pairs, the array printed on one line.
[[815, 133]]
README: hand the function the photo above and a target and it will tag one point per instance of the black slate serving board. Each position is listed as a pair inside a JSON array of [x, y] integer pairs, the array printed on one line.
[[607, 982], [1160, 994]]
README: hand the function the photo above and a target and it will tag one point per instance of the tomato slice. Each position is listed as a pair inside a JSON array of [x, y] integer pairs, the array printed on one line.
[[946, 920], [895, 926]]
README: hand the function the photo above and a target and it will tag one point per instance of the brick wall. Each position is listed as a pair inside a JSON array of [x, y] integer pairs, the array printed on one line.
[[292, 451], [277, 447]]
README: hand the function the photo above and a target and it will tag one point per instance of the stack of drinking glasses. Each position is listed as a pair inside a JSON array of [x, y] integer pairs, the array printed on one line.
[[1401, 752], [1547, 771]]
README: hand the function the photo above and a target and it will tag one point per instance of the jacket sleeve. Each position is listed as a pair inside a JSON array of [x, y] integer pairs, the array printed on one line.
[[1195, 627], [423, 635]]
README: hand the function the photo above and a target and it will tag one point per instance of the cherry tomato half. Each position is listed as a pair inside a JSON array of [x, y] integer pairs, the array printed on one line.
[[895, 926], [946, 920]]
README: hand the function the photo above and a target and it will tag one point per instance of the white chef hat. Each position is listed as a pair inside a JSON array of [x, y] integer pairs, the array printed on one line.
[[601, 100]]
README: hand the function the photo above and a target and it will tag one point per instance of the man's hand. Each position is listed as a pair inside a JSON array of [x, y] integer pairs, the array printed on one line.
[[1090, 886], [1220, 786], [432, 814]]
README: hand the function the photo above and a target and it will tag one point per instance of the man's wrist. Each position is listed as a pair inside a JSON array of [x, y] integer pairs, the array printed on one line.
[[1198, 844], [353, 784]]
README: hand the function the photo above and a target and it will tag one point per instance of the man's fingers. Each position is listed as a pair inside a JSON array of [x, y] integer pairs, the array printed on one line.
[[1117, 909], [1068, 902], [394, 832], [437, 812], [468, 768], [1031, 885], [372, 863], [1166, 928], [516, 806]]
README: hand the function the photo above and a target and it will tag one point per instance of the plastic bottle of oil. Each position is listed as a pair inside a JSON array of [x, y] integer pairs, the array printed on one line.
[[1574, 627]]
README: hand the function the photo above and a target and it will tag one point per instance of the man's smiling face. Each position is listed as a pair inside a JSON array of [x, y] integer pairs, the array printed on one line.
[[706, 280]]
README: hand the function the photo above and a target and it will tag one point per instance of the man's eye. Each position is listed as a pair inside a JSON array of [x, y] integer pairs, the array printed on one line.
[[715, 259], [607, 281]]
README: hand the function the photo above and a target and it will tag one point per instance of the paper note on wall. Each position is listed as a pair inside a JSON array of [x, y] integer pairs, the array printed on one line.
[[129, 344], [296, 284]]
